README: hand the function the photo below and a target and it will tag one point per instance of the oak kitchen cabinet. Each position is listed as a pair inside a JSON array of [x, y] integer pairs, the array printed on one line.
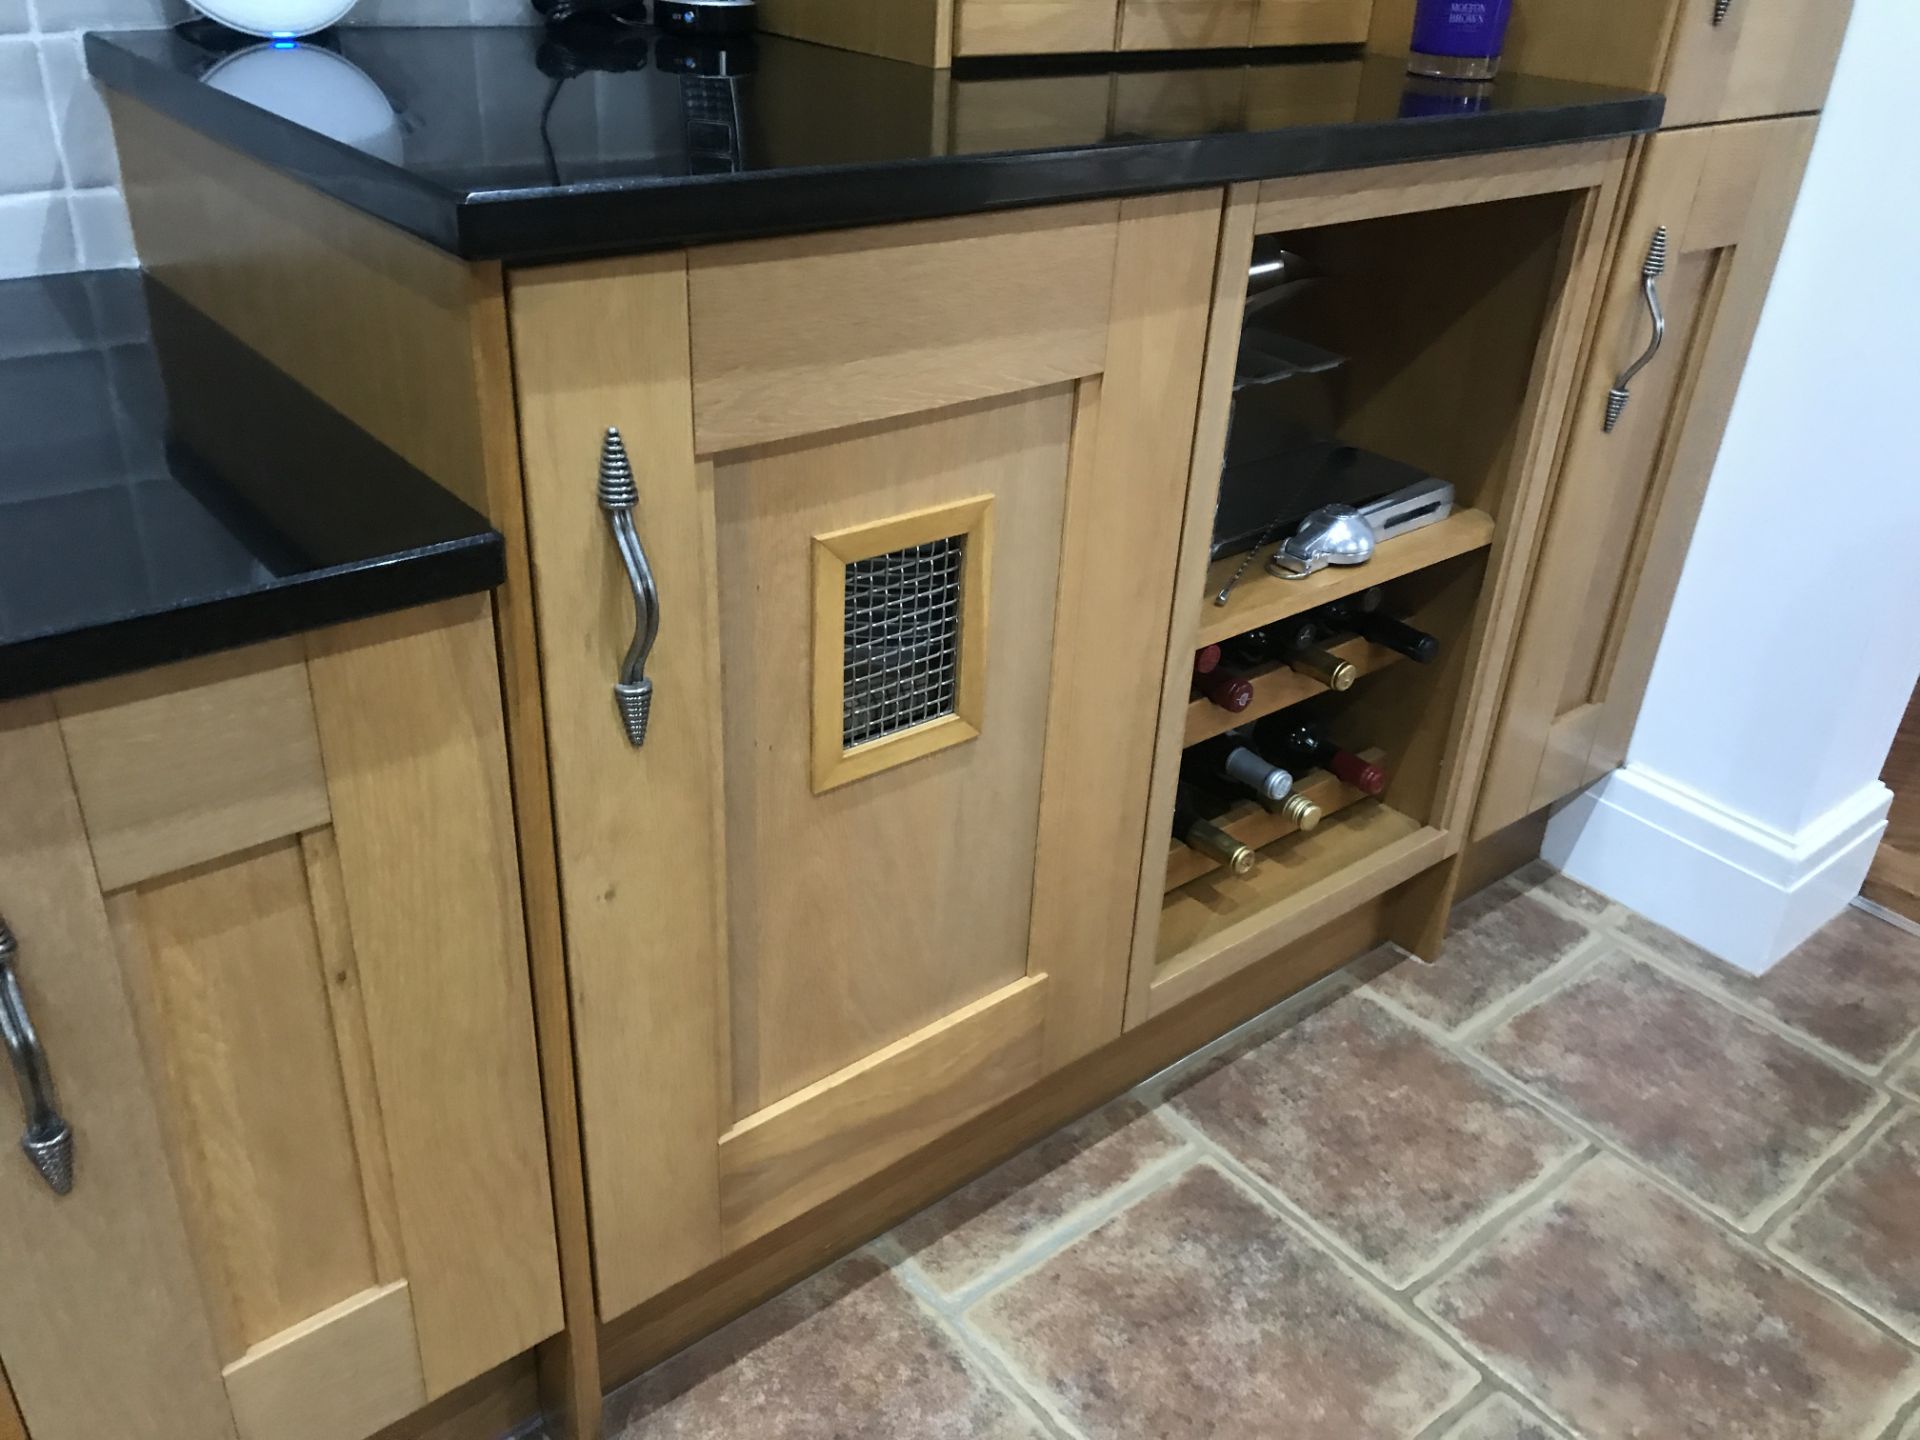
[[806, 935], [1714, 60], [266, 920], [1716, 200]]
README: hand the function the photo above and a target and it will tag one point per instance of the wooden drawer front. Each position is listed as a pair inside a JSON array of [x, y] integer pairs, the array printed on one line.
[[1032, 27], [1625, 502], [800, 951], [1764, 58], [265, 930], [795, 337]]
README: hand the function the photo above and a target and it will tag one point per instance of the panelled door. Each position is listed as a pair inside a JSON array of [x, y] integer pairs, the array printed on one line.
[[905, 503], [1698, 248], [265, 922]]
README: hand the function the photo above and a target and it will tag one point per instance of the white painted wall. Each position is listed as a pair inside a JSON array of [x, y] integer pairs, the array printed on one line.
[[1750, 805]]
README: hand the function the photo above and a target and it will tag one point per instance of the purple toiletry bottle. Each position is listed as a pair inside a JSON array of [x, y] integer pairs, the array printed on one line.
[[1458, 39]]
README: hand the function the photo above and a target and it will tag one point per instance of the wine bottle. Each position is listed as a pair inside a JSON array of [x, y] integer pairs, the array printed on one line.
[[1232, 693], [1304, 747], [1206, 660], [1231, 758], [1201, 834], [1295, 643], [1363, 616]]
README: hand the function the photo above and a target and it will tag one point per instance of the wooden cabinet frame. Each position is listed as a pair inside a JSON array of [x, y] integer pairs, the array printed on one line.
[[1624, 501], [1408, 863]]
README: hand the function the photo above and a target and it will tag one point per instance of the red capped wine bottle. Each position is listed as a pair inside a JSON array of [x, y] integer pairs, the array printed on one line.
[[1232, 693], [1304, 747], [1206, 660]]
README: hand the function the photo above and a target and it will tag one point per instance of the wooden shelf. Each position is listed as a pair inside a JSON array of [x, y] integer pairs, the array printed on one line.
[[1251, 823], [1220, 922], [1260, 598], [1277, 687]]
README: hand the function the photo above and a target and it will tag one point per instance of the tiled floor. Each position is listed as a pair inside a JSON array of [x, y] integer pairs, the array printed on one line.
[[1580, 1180]]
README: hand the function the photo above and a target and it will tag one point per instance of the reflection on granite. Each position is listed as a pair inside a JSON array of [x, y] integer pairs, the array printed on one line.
[[122, 547], [505, 143]]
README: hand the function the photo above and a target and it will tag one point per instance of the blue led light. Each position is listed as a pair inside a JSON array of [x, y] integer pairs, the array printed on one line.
[[286, 44]]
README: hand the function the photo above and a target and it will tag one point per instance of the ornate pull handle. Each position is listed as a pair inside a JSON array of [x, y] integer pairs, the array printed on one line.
[[632, 691], [1720, 9], [1650, 285], [48, 1139]]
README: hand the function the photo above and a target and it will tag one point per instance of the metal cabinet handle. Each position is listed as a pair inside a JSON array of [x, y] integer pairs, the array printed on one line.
[[1650, 285], [632, 691], [1720, 9], [48, 1139]]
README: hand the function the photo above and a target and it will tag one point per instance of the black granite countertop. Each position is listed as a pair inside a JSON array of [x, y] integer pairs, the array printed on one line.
[[504, 144], [122, 545]]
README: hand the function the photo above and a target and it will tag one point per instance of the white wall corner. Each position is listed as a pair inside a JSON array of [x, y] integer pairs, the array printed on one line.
[[1742, 890]]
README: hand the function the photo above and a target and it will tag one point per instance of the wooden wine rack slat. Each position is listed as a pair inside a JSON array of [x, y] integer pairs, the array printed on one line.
[[1253, 824], [1276, 687], [1260, 598]]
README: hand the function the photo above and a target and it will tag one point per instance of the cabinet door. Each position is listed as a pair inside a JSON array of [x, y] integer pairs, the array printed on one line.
[[1740, 59], [1626, 499], [268, 929], [910, 498]]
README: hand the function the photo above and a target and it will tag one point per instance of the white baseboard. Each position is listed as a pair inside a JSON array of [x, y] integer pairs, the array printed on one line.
[[1742, 890]]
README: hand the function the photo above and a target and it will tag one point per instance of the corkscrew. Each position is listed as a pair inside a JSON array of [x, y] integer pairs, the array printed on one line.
[[632, 691], [47, 1140], [1650, 286]]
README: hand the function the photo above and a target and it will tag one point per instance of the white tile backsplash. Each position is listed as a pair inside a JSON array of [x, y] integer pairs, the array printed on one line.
[[60, 204]]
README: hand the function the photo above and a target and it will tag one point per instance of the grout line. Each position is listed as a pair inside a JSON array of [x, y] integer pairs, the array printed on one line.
[[1908, 1411], [1281, 1015], [1031, 1398], [1069, 1228], [1567, 970], [1782, 1215], [1422, 1327], [1673, 970], [1518, 1205], [1881, 912], [1448, 1422]]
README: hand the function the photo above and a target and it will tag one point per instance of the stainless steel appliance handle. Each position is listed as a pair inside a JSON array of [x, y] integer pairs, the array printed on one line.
[[1720, 9], [1650, 286], [632, 691], [48, 1139]]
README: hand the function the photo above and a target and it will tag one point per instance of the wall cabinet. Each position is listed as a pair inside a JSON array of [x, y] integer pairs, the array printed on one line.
[[268, 927], [1626, 498], [1713, 59]]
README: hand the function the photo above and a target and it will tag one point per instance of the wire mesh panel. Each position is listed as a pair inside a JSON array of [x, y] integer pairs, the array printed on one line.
[[901, 664]]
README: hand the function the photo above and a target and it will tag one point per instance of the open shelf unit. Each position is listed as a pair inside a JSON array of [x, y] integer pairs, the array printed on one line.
[[1444, 317]]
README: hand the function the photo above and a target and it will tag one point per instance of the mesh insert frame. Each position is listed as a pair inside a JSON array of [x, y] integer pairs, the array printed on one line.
[[902, 635]]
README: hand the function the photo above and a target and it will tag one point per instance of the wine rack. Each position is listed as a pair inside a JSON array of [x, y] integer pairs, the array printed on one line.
[[1438, 316], [1275, 687], [1251, 823]]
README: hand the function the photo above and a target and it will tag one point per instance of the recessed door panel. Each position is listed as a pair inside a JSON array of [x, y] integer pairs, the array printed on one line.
[[860, 913]]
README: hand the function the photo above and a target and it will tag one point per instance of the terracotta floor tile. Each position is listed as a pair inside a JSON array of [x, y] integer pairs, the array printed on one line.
[[1376, 1132], [1854, 986], [958, 1239], [1632, 1317], [846, 1355], [1500, 939], [1195, 1312], [1543, 878], [1724, 1107], [1501, 1418], [1860, 1231]]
